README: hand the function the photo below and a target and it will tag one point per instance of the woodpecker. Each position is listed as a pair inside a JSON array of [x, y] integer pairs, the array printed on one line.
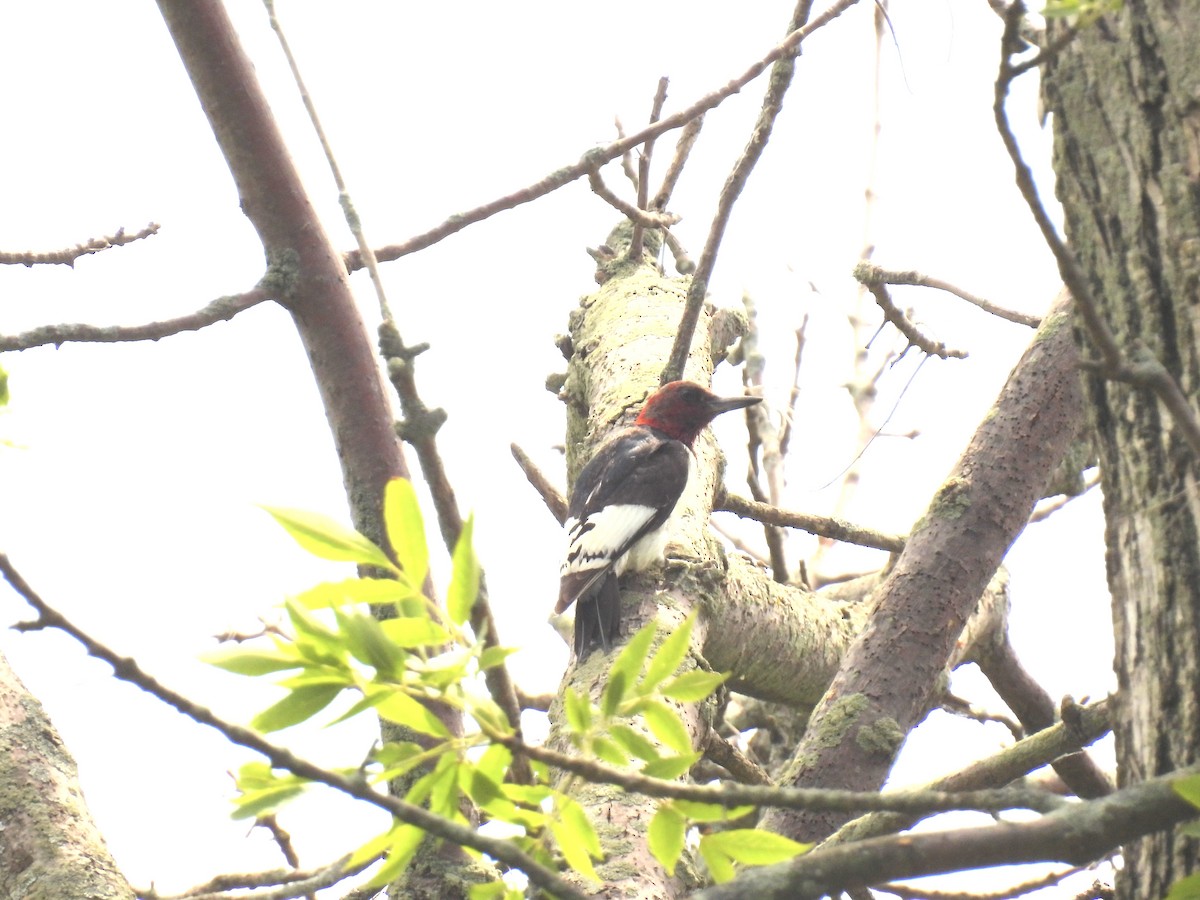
[[617, 517]]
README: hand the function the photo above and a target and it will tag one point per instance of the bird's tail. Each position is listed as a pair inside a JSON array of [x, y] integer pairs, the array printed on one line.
[[598, 618]]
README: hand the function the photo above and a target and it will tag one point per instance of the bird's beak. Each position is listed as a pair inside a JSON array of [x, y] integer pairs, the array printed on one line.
[[720, 405]]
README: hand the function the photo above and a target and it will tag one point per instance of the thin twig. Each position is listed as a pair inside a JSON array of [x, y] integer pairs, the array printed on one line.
[[128, 670], [639, 217], [783, 67], [627, 157], [288, 883], [220, 310], [917, 279], [824, 526], [864, 273], [67, 257], [601, 155], [348, 211], [643, 182], [731, 793], [789, 414], [1050, 506], [548, 492], [1016, 890], [683, 149]]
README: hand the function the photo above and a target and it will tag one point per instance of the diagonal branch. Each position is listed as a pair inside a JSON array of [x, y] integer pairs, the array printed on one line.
[[947, 562]]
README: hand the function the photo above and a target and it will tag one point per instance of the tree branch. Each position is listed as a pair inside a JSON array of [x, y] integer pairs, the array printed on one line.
[[67, 256], [220, 310], [1079, 833], [837, 529]]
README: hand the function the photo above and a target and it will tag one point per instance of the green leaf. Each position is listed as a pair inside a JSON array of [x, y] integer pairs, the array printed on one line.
[[351, 591], [693, 686], [720, 866], [493, 656], [754, 847], [629, 661], [487, 891], [1188, 788], [495, 762], [578, 710], [406, 530], [576, 839], [370, 850], [367, 641], [300, 704], [633, 741], [669, 656], [402, 709], [403, 841], [710, 812], [609, 751], [245, 661], [323, 537], [667, 726], [666, 837], [253, 804], [3, 387], [1187, 888], [464, 576], [479, 786], [413, 631], [314, 640], [669, 768], [614, 693]]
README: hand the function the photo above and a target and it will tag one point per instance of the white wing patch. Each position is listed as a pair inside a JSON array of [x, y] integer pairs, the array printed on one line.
[[594, 540]]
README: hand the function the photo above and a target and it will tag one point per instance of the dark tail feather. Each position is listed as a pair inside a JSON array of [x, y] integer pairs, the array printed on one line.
[[598, 618]]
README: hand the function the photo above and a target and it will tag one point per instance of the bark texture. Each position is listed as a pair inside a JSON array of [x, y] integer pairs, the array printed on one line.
[[49, 845], [1127, 155]]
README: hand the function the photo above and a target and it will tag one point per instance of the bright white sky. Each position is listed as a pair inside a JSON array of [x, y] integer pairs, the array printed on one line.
[[131, 504]]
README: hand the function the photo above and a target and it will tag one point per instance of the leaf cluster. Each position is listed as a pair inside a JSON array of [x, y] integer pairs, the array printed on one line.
[[396, 652]]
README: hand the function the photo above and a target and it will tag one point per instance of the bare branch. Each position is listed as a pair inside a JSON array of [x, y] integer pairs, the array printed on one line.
[[892, 313], [547, 491], [639, 217], [1049, 506], [820, 525], [874, 274], [643, 182], [683, 149], [731, 793], [220, 310], [68, 256]]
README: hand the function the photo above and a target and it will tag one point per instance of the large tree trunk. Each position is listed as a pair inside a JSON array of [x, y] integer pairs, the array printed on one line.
[[1127, 157]]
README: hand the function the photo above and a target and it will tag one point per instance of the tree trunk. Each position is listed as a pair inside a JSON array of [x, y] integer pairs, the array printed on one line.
[[1127, 156]]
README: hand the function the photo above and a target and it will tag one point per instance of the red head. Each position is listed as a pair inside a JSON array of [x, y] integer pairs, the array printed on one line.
[[682, 409]]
